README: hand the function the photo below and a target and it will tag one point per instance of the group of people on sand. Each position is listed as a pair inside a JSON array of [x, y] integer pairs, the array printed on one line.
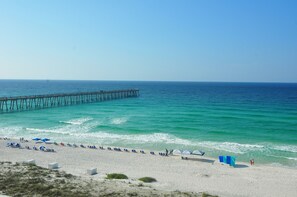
[[5, 138], [23, 140], [166, 153]]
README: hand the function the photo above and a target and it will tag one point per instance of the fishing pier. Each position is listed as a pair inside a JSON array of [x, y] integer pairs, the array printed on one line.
[[25, 103]]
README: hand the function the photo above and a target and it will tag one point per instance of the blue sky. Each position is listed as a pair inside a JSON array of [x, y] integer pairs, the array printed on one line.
[[248, 41]]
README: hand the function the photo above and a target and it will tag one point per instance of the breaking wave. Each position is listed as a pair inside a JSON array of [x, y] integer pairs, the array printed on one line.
[[78, 121], [232, 147], [86, 133], [118, 121], [288, 148]]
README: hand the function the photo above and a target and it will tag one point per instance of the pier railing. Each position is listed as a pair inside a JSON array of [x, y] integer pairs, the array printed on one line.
[[25, 103]]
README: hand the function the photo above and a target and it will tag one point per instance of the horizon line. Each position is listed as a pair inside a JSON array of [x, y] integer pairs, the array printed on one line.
[[181, 81]]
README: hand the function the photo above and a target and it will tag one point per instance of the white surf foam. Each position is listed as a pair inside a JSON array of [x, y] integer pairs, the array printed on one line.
[[83, 132], [69, 130], [283, 157], [291, 158], [118, 121], [10, 131], [287, 148], [231, 146], [156, 138], [44, 131], [78, 121]]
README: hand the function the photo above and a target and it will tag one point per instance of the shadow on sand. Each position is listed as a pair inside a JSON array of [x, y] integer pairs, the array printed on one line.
[[201, 160], [241, 166]]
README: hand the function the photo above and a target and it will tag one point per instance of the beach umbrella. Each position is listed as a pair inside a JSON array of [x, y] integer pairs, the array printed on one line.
[[45, 139], [36, 139], [198, 152], [177, 152], [186, 152]]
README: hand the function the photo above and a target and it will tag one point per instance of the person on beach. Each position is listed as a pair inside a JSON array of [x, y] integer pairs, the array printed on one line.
[[166, 152], [252, 162]]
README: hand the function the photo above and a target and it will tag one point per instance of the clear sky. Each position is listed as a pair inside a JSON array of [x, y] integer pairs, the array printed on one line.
[[249, 41]]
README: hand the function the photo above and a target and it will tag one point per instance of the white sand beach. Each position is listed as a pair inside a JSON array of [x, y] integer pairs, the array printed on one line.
[[172, 173]]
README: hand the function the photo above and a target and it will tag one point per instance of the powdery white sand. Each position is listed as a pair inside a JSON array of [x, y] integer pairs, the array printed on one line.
[[172, 173]]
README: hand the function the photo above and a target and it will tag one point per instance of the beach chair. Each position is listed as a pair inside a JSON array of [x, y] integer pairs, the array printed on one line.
[[42, 148], [82, 146], [108, 148], [16, 145], [134, 151], [152, 153]]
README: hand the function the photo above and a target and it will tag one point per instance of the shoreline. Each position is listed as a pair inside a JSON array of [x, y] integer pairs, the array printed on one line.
[[203, 174], [147, 152]]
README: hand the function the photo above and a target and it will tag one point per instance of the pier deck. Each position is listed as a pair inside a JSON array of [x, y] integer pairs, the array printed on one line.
[[25, 103]]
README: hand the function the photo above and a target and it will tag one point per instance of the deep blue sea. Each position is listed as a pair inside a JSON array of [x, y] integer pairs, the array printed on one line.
[[247, 120]]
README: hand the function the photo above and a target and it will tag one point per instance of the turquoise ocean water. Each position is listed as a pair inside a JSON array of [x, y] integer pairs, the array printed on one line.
[[248, 120]]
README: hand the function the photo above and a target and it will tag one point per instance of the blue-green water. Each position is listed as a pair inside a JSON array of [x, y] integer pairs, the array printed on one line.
[[249, 120]]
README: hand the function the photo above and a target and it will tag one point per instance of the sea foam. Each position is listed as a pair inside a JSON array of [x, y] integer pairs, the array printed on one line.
[[118, 121], [287, 148], [231, 146], [78, 121]]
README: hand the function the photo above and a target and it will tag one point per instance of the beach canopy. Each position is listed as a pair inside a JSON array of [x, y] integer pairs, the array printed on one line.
[[36, 139], [228, 160], [198, 152], [186, 152], [177, 152]]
